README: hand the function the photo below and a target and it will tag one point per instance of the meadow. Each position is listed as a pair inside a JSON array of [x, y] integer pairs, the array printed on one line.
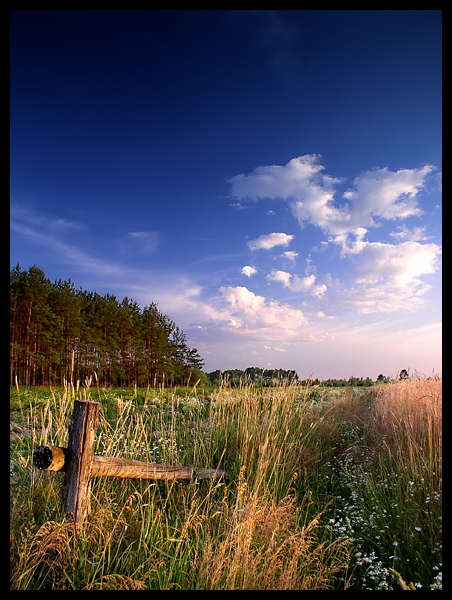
[[327, 488]]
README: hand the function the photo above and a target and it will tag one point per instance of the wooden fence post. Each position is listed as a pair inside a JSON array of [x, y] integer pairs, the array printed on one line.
[[78, 460], [80, 464]]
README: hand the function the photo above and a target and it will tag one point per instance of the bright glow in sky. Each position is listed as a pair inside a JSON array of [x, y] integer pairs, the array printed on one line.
[[271, 179]]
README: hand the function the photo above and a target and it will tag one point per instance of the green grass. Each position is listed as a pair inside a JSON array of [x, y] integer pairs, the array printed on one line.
[[328, 489]]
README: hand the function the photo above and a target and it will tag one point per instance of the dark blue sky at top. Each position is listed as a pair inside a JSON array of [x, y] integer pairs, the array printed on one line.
[[176, 88]]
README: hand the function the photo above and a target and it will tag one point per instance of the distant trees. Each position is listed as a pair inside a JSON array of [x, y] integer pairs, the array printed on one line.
[[274, 377], [58, 333], [254, 375], [382, 379]]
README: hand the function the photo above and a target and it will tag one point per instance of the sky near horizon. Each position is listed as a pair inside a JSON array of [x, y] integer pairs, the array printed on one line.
[[270, 178]]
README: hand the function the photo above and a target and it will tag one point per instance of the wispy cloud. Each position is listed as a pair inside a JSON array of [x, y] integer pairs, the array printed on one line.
[[26, 221], [290, 255], [416, 234], [52, 234], [145, 241]]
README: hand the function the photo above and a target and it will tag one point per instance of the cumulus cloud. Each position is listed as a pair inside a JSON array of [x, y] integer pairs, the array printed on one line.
[[397, 265], [302, 284], [389, 277], [319, 290], [298, 284], [281, 276], [269, 241], [248, 270], [350, 247], [375, 195], [276, 181], [386, 194], [252, 314]]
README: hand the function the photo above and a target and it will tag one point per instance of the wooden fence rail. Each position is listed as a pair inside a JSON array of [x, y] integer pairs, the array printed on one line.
[[80, 465]]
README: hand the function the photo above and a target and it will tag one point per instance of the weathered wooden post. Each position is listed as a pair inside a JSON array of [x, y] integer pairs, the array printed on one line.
[[79, 457], [80, 464]]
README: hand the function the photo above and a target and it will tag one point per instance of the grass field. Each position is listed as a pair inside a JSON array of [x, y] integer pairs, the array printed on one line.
[[328, 488]]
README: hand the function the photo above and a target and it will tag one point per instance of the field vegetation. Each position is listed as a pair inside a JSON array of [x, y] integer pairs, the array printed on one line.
[[327, 488]]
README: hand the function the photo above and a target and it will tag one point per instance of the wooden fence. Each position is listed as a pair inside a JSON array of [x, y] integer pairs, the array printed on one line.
[[80, 465]]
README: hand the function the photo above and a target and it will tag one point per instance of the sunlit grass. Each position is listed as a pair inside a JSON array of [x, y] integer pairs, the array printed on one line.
[[338, 490], [387, 485]]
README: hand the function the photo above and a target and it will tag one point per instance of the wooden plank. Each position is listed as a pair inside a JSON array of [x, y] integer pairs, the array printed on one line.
[[51, 458], [104, 466]]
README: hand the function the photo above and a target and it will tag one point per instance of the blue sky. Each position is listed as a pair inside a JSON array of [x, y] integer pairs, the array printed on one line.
[[271, 179]]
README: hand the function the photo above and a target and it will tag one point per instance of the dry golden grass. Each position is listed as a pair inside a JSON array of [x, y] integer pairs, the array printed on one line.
[[265, 549], [406, 417]]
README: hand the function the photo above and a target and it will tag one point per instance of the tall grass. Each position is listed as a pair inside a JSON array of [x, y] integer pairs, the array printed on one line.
[[387, 484], [327, 489]]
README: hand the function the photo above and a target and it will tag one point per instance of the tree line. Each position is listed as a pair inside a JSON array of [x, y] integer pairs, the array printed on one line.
[[275, 377], [61, 334], [255, 375]]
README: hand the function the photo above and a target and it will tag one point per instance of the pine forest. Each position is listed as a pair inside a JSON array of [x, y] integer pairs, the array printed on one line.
[[59, 333]]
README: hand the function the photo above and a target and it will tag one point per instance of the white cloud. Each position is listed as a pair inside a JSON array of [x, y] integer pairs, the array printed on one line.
[[321, 315], [269, 241], [386, 194], [299, 181], [381, 299], [298, 284], [282, 276], [274, 348], [276, 181], [302, 284], [248, 270], [319, 290], [389, 277], [290, 255], [397, 265], [416, 234], [354, 247], [376, 194], [254, 315]]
